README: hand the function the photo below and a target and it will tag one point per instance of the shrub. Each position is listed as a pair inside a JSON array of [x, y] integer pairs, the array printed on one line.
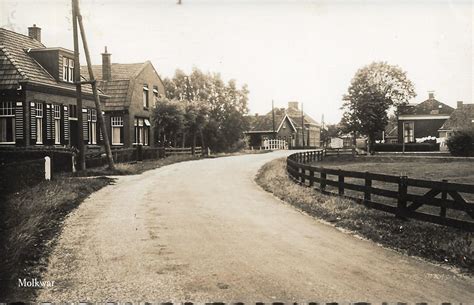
[[461, 143]]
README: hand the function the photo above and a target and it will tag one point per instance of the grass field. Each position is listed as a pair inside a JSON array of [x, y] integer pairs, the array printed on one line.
[[426, 168], [438, 243]]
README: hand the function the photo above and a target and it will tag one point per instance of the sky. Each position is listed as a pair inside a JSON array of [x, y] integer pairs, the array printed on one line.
[[305, 51]]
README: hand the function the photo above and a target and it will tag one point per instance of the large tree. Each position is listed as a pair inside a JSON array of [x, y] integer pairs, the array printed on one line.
[[168, 121], [225, 104], [374, 89]]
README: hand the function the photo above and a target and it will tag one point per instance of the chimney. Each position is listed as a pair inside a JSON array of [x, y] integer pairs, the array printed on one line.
[[106, 66], [34, 32], [459, 105], [431, 95], [293, 105]]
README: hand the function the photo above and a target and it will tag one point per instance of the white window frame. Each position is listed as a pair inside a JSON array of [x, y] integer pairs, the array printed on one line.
[[57, 123], [117, 125], [7, 110], [146, 98], [39, 114], [92, 122], [408, 134], [71, 71], [65, 69]]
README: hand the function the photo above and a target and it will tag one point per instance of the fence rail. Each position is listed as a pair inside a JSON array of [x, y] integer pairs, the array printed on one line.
[[407, 196]]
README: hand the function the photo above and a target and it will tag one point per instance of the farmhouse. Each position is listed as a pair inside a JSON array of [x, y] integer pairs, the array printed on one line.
[[422, 121], [133, 90], [38, 95], [290, 124]]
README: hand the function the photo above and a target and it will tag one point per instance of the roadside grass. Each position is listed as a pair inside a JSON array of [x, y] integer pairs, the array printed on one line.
[[441, 244], [30, 221], [239, 153], [133, 168]]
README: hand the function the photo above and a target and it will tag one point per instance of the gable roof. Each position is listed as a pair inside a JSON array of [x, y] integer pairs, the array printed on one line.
[[119, 71], [461, 118], [17, 65], [427, 107]]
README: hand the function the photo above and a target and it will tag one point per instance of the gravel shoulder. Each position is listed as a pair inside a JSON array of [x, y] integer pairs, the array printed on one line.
[[205, 231]]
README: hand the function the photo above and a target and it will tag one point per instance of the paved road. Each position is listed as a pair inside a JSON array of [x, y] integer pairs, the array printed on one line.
[[203, 230]]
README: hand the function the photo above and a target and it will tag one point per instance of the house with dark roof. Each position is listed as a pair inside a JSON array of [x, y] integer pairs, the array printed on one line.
[[290, 124], [38, 95], [133, 90], [422, 121], [462, 118]]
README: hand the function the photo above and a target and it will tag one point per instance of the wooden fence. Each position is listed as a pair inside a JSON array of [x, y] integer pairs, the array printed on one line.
[[139, 153], [405, 197]]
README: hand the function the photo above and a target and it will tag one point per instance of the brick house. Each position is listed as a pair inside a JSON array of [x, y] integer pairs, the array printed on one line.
[[38, 95], [288, 127], [133, 90], [422, 121]]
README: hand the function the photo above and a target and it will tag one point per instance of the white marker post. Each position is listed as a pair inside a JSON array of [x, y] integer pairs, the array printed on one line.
[[47, 168]]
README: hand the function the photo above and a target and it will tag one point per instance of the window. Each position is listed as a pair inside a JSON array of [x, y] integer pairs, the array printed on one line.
[[68, 70], [92, 122], [57, 124], [73, 112], [145, 96], [39, 123], [156, 94], [7, 123], [408, 132], [142, 131], [117, 130]]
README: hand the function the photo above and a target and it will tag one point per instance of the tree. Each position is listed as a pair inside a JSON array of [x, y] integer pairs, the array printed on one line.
[[225, 106], [461, 143], [168, 121], [374, 89]]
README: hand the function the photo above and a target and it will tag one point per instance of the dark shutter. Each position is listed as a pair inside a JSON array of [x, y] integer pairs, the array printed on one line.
[[66, 124], [49, 124], [85, 125], [19, 130], [32, 123]]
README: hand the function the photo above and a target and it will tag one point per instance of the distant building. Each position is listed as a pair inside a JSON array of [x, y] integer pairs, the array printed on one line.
[[462, 118], [133, 91], [423, 120], [38, 96], [291, 125]]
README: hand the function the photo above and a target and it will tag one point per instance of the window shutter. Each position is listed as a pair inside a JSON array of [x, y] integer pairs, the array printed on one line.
[[66, 124], [85, 124], [49, 125], [19, 131], [32, 123]]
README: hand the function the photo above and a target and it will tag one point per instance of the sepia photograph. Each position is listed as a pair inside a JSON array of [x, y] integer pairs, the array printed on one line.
[[236, 152]]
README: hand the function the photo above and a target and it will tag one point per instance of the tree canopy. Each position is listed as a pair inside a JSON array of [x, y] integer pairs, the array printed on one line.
[[374, 89], [214, 110]]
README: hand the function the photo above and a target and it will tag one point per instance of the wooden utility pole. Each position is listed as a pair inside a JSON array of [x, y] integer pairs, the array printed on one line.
[[273, 119], [100, 116], [77, 79], [302, 124]]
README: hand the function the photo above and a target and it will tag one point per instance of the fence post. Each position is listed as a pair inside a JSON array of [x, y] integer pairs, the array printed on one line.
[[322, 183], [302, 174], [402, 196], [47, 168], [341, 183], [139, 153], [311, 177], [368, 185], [444, 196]]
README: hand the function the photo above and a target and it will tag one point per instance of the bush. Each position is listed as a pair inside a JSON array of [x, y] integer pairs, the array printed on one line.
[[461, 143]]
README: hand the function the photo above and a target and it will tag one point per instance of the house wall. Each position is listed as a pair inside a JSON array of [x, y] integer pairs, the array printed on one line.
[[149, 77], [423, 128]]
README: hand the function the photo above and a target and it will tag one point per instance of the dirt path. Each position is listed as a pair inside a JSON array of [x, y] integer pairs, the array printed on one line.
[[203, 230]]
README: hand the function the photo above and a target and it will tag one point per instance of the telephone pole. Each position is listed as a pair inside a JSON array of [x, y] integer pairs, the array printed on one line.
[[78, 18], [302, 124], [77, 79]]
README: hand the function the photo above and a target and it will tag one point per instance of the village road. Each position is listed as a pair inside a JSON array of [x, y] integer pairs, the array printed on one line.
[[205, 231]]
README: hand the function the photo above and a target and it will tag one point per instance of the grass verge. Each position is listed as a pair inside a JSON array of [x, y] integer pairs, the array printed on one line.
[[30, 221], [437, 243]]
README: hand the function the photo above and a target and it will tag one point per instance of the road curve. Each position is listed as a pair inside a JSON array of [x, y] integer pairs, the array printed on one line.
[[204, 231]]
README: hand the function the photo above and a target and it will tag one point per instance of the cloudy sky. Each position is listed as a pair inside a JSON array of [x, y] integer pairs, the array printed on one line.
[[306, 51]]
